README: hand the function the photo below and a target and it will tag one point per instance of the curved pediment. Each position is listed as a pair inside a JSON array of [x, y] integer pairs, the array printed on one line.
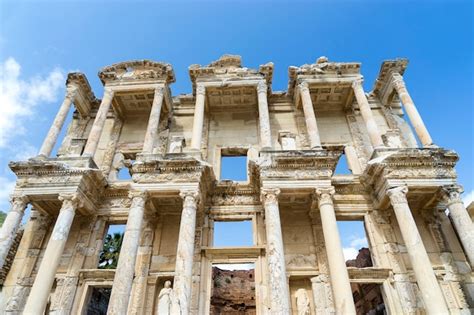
[[142, 70]]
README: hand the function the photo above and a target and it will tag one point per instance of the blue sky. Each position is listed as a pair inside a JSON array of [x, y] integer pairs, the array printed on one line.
[[41, 41]]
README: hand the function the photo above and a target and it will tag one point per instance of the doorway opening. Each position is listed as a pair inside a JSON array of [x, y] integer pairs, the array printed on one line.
[[98, 300], [233, 289]]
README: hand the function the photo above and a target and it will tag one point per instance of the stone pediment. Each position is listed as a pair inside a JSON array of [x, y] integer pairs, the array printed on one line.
[[137, 70], [387, 68], [229, 68], [298, 165], [416, 168], [321, 69], [84, 99], [177, 167]]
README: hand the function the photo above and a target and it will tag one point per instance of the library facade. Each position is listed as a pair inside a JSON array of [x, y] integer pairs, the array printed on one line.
[[154, 164]]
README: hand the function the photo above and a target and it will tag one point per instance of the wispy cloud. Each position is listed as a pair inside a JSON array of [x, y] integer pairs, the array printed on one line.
[[354, 246], [19, 97], [6, 188]]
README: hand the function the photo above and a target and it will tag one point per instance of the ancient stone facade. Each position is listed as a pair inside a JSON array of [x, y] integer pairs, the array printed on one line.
[[173, 146]]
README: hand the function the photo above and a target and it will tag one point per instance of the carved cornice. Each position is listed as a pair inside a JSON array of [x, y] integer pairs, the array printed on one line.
[[383, 84], [137, 70], [298, 165], [82, 95]]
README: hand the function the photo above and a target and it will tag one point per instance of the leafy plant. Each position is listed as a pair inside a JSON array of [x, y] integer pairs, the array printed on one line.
[[109, 255]]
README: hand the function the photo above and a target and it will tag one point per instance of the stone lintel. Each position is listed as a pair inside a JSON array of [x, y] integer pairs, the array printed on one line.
[[84, 98]]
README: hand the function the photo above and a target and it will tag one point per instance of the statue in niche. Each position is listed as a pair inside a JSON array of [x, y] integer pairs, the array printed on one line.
[[302, 302], [167, 302]]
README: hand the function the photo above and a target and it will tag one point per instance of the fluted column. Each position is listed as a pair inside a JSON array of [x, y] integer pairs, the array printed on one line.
[[341, 286], [99, 122], [55, 129], [310, 118], [185, 253], [153, 121], [264, 118], [124, 273], [412, 112], [198, 117], [424, 274], [366, 112], [11, 224], [44, 280], [461, 220], [279, 292]]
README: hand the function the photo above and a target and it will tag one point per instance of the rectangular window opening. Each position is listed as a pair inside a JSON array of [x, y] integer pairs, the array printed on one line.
[[233, 289], [342, 167], [98, 300], [109, 255], [355, 244], [233, 233], [368, 298], [233, 165]]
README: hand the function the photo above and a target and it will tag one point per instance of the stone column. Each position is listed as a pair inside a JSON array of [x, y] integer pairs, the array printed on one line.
[[123, 280], [198, 118], [366, 112], [53, 133], [352, 160], [461, 220], [424, 274], [310, 118], [341, 286], [100, 118], [264, 118], [41, 289], [153, 121], [185, 253], [411, 110], [11, 224], [279, 292]]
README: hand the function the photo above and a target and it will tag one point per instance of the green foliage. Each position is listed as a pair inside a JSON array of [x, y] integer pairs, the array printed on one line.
[[3, 215], [227, 280], [109, 255]]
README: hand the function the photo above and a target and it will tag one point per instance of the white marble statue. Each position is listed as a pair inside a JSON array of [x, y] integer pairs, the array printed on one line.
[[167, 303], [302, 302]]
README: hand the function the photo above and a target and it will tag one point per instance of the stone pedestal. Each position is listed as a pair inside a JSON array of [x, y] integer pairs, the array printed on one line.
[[310, 118], [366, 112], [153, 121], [53, 133], [322, 295], [11, 224], [279, 292], [264, 118], [41, 289], [341, 287], [461, 220], [100, 118], [411, 111], [424, 274], [124, 273], [198, 118], [185, 253]]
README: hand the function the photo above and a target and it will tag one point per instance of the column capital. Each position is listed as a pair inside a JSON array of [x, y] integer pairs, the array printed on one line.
[[270, 195], [398, 195], [190, 195], [159, 91], [143, 194], [357, 83], [262, 87], [69, 200], [18, 201], [452, 193], [324, 195], [397, 81], [200, 89], [303, 86], [108, 92], [71, 91]]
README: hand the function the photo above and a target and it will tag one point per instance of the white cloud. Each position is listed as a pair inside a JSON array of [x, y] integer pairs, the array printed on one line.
[[19, 98], [468, 198], [6, 188], [353, 249]]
